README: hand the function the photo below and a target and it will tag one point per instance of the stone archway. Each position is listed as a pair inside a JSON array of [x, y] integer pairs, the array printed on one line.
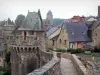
[[33, 49], [25, 49], [29, 49], [18, 50]]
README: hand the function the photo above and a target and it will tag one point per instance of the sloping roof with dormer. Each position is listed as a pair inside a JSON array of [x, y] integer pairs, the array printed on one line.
[[77, 31], [52, 30]]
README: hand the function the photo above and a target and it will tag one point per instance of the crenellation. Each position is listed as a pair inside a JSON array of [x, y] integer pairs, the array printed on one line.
[[26, 59]]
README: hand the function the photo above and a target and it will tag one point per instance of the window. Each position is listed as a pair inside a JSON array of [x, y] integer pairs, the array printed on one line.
[[60, 41], [72, 33], [83, 32], [95, 34], [65, 42], [72, 45], [53, 42], [32, 32], [24, 35], [17, 37], [35, 38], [11, 37]]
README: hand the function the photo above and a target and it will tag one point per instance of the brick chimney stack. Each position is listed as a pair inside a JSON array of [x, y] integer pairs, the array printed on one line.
[[98, 11]]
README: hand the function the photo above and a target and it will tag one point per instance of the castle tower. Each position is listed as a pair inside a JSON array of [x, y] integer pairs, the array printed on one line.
[[49, 20]]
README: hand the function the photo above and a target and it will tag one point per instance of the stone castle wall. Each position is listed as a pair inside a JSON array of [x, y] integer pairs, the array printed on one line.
[[51, 68], [25, 60]]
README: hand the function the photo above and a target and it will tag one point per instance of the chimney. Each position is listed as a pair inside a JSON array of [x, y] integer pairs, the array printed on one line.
[[98, 11]]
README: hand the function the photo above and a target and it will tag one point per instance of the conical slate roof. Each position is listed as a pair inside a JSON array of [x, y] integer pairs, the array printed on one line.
[[32, 21]]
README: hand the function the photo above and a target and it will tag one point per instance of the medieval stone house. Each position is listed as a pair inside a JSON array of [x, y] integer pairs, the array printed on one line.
[[71, 35], [96, 36], [52, 36], [94, 31]]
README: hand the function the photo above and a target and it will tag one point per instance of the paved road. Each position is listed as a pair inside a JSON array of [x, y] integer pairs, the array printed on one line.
[[67, 67]]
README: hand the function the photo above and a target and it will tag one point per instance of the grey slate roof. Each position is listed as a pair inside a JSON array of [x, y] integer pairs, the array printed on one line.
[[32, 21], [77, 32], [87, 18], [92, 24], [52, 30]]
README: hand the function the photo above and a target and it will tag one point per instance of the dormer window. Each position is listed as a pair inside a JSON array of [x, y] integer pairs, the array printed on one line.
[[72, 33], [71, 30], [83, 32]]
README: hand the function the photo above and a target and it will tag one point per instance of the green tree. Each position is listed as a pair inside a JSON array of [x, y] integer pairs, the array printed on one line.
[[6, 70], [19, 19]]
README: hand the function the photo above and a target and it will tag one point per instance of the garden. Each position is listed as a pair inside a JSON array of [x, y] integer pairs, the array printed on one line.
[[90, 54]]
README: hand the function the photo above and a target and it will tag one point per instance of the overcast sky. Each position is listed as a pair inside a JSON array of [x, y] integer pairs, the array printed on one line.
[[59, 8]]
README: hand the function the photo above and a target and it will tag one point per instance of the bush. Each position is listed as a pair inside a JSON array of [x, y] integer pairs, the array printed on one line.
[[61, 50], [8, 66], [75, 51], [1, 68], [97, 49]]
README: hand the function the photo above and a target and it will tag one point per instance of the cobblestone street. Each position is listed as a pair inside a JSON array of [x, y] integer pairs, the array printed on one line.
[[67, 67]]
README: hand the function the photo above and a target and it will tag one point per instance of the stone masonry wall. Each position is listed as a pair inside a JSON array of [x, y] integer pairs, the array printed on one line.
[[25, 60], [81, 70], [93, 68], [89, 68], [96, 69], [51, 68]]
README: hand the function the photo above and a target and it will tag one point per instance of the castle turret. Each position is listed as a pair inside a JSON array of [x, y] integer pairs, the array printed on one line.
[[49, 20]]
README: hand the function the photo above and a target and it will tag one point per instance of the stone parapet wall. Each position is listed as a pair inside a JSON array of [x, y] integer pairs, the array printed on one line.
[[51, 68], [93, 68], [89, 68], [81, 70], [25, 60], [96, 68]]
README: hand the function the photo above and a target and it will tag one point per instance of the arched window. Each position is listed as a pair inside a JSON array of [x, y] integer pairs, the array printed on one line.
[[25, 49], [29, 49], [60, 41], [65, 41]]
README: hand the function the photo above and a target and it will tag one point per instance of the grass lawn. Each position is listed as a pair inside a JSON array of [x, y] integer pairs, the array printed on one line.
[[90, 57]]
